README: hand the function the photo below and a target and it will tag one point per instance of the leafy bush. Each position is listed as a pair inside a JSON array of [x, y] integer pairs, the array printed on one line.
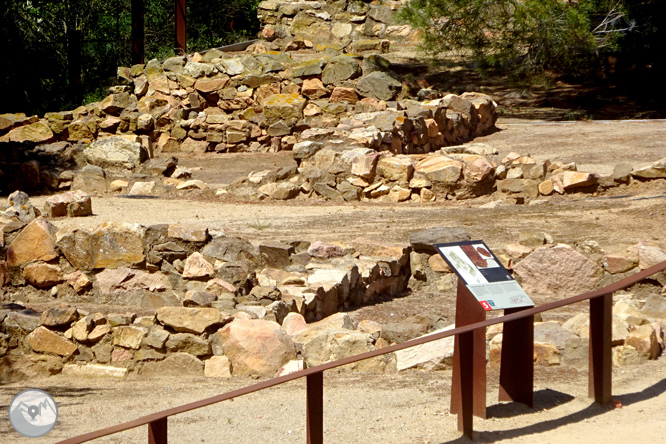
[[526, 37]]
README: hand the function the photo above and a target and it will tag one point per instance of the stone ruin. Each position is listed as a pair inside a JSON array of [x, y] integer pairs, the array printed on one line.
[[184, 299], [356, 25]]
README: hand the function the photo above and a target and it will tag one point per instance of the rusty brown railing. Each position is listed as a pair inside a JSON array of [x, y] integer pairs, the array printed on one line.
[[599, 376]]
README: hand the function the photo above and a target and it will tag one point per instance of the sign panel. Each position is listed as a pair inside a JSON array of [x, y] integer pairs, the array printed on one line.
[[484, 275]]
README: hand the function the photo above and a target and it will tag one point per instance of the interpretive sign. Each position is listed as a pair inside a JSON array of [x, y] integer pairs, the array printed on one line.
[[484, 275]]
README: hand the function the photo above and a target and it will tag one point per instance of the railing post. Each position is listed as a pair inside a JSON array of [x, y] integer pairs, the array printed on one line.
[[157, 431], [466, 384], [315, 408], [469, 311], [517, 363], [601, 334]]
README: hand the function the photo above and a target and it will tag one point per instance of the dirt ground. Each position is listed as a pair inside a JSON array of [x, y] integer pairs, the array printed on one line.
[[413, 406]]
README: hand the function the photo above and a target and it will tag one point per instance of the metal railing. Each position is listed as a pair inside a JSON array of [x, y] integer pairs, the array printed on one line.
[[599, 375]]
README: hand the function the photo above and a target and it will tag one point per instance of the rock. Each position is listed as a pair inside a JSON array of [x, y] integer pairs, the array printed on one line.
[[396, 169], [622, 172], [120, 280], [333, 344], [398, 333], [399, 194], [156, 337], [188, 232], [285, 191], [174, 365], [188, 343], [343, 94], [45, 341], [438, 264], [649, 255], [194, 184], [28, 367], [36, 242], [423, 241], [655, 307], [285, 107], [440, 169], [246, 343], [116, 152], [323, 250], [129, 336], [42, 275], [276, 254], [195, 298], [378, 85], [189, 320], [57, 316], [72, 204], [217, 367], [90, 178], [293, 323], [644, 340], [313, 88], [520, 187], [98, 333], [335, 321], [37, 132], [559, 270], [575, 179], [111, 245], [142, 189], [628, 312], [479, 170], [120, 355], [532, 238], [627, 355], [546, 187], [339, 69], [546, 354], [196, 266], [18, 323], [93, 371], [616, 263], [19, 206], [290, 367], [552, 333], [655, 171], [517, 251]]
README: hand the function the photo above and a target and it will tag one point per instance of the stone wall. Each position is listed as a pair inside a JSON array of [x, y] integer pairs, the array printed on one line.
[[175, 299], [253, 101], [334, 23]]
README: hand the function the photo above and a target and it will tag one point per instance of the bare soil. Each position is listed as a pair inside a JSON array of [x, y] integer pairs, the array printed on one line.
[[411, 406]]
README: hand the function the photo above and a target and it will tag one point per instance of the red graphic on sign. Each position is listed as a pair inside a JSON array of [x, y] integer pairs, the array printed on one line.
[[486, 306]]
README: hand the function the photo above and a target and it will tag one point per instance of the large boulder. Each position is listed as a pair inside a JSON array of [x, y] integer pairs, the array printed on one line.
[[115, 152], [558, 270], [257, 348], [333, 344]]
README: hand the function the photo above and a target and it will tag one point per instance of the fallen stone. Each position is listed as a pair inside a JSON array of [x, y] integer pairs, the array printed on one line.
[[293, 322], [552, 333], [559, 270], [196, 266], [246, 342], [45, 341], [19, 206], [128, 336], [323, 250], [37, 132], [333, 344], [72, 204], [655, 307]]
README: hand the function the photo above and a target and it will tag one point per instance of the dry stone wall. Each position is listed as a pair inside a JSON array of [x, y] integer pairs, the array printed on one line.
[[342, 23], [181, 299]]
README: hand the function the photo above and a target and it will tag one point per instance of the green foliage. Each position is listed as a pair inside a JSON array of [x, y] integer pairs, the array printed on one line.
[[525, 37], [37, 75]]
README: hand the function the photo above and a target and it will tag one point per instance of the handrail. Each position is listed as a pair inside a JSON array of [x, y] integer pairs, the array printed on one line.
[[312, 371]]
